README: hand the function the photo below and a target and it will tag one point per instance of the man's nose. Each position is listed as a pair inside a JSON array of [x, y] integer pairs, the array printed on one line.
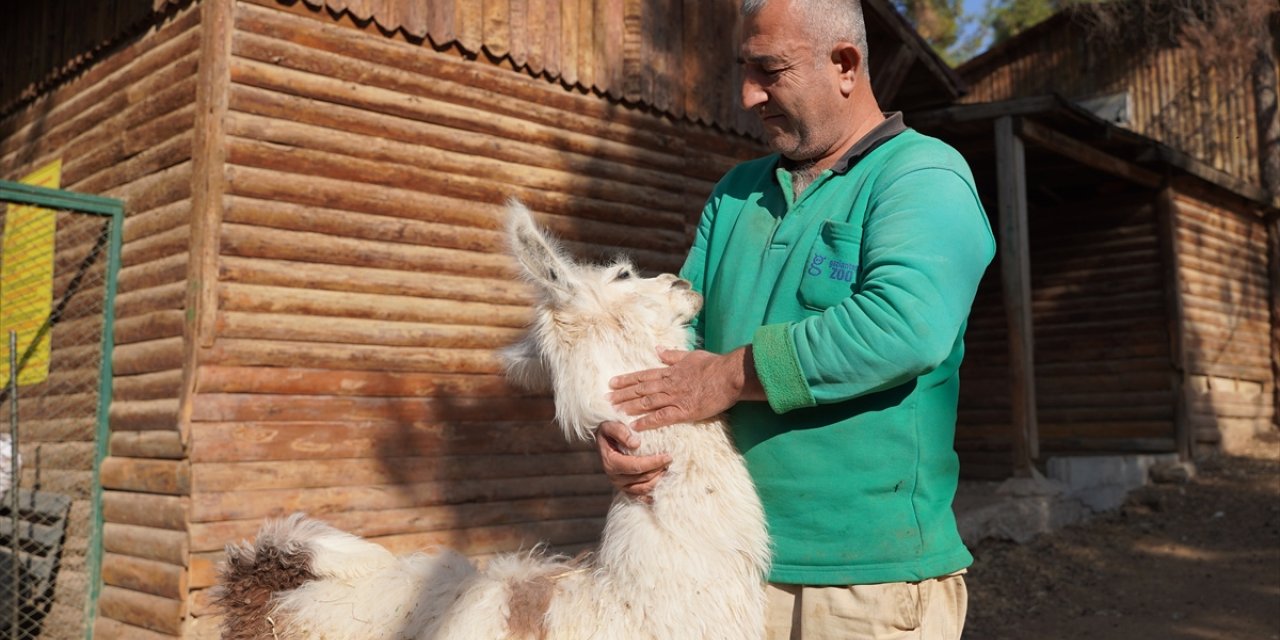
[[752, 95]]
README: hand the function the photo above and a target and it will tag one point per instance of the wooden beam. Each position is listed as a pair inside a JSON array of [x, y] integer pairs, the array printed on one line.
[[889, 77], [1015, 278], [1087, 155], [1166, 222], [983, 111], [1273, 249]]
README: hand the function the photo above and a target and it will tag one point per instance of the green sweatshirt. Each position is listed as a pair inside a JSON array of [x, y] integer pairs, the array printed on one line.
[[855, 297]]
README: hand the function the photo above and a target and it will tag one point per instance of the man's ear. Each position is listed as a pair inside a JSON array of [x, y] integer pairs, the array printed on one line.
[[849, 65]]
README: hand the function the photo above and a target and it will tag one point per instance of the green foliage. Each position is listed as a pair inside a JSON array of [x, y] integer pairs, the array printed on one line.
[[1008, 18], [958, 35]]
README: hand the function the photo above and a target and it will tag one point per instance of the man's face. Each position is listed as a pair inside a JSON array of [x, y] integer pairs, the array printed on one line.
[[790, 83]]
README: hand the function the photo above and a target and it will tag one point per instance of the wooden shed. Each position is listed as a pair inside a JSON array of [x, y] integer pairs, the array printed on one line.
[[1133, 304], [313, 283]]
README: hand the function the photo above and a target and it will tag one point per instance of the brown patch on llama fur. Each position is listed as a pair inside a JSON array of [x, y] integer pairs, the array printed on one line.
[[249, 579], [529, 602]]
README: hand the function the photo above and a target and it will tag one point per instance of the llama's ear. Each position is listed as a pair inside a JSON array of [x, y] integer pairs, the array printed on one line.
[[536, 253], [525, 368]]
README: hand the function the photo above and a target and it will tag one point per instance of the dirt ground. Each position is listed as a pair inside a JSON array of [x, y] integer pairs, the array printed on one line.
[[1198, 561]]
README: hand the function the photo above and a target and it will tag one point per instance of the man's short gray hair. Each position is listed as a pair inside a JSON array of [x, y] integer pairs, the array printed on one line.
[[829, 21]]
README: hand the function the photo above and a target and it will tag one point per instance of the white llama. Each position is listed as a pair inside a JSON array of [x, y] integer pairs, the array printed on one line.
[[690, 565]]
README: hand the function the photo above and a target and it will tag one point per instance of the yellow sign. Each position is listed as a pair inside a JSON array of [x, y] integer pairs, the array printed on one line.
[[26, 280]]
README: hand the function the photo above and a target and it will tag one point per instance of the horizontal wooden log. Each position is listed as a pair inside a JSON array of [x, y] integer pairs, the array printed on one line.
[[313, 73], [143, 301], [485, 540], [296, 381], [213, 536], [116, 179], [145, 415], [56, 429], [256, 441], [108, 629], [262, 242], [147, 444], [149, 543], [468, 176], [274, 104], [253, 407], [71, 456], [137, 141], [167, 186], [156, 325], [358, 225], [304, 275], [145, 475], [145, 510], [657, 133], [69, 103], [356, 195], [363, 331], [296, 488], [142, 224], [147, 386], [148, 357], [146, 576], [399, 308], [200, 603], [312, 355], [126, 123], [164, 269], [76, 484], [163, 615]]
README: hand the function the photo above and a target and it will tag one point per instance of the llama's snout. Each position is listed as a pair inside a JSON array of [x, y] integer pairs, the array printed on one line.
[[681, 283]]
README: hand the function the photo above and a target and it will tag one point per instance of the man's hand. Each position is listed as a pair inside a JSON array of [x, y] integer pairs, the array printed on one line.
[[697, 385], [634, 475]]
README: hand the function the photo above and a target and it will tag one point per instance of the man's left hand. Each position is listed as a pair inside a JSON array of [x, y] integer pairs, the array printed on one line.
[[697, 385]]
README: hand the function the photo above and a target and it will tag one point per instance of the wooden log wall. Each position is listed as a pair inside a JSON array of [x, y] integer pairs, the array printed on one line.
[[1104, 375], [123, 129], [1205, 113], [1225, 288], [86, 29], [363, 287], [674, 56]]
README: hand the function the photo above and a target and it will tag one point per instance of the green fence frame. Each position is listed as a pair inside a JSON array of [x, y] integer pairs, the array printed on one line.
[[109, 207]]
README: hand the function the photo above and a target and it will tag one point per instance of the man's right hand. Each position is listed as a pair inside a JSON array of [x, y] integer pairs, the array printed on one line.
[[633, 475]]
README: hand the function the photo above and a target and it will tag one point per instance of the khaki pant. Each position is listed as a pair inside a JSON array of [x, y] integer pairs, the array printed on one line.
[[928, 610]]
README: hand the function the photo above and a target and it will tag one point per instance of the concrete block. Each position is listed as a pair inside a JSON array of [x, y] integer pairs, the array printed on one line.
[[1102, 483]]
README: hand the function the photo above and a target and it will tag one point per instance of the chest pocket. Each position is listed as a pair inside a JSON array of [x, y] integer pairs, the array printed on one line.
[[832, 268]]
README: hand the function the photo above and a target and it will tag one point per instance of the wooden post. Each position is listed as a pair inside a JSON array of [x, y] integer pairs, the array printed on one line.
[[1166, 224], [1015, 278], [1273, 245]]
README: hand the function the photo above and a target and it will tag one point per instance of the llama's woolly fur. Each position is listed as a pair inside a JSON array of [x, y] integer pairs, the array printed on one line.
[[689, 565]]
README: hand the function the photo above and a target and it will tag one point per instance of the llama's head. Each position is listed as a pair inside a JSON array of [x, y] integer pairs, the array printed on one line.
[[591, 322]]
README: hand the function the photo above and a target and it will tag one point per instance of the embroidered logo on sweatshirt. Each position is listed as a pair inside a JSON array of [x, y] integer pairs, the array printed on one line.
[[835, 269]]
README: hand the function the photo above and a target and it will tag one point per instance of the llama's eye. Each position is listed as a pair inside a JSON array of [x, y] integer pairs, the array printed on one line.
[[624, 274]]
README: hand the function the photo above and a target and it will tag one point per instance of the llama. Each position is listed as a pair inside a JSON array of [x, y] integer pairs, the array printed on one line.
[[690, 563]]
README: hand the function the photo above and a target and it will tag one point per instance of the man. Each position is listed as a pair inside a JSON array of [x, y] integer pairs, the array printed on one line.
[[838, 275]]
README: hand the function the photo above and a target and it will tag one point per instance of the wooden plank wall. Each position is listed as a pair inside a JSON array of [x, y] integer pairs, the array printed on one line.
[[1205, 113], [1102, 354], [1223, 265], [363, 286], [123, 129]]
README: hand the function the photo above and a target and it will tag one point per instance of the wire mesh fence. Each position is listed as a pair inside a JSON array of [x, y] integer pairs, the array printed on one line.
[[56, 268]]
